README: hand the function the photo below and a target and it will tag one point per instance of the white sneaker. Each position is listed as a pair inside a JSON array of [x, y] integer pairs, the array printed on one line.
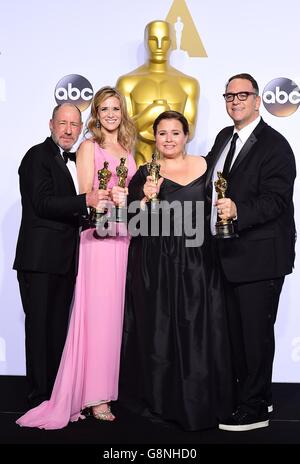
[[241, 420], [270, 408]]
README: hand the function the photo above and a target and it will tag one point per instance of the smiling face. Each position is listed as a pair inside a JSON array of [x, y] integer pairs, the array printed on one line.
[[242, 112], [65, 126], [170, 138], [109, 114]]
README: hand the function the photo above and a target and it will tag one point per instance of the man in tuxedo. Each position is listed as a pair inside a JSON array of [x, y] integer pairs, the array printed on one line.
[[46, 254], [260, 172]]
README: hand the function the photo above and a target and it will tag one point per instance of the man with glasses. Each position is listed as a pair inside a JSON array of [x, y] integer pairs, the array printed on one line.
[[259, 166]]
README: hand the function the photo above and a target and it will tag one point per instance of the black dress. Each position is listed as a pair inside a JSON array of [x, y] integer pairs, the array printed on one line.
[[175, 362]]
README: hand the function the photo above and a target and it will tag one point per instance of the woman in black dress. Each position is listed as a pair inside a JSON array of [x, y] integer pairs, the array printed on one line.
[[175, 363]]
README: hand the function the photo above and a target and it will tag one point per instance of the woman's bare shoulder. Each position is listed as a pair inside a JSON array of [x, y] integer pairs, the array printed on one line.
[[197, 159], [198, 162], [87, 143]]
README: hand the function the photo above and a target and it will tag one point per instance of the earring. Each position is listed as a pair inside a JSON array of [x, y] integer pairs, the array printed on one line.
[[157, 154], [98, 124]]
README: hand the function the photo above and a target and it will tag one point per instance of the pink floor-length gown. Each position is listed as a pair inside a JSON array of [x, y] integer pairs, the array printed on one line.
[[89, 367]]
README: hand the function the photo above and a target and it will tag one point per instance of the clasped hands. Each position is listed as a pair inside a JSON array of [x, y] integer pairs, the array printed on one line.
[[226, 208]]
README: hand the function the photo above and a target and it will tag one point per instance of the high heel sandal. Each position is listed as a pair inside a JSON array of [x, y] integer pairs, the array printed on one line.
[[105, 415]]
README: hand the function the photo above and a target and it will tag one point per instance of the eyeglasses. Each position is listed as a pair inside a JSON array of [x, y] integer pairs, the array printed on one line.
[[242, 96]]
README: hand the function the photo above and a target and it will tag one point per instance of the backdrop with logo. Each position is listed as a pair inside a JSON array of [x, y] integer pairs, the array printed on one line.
[[70, 49]]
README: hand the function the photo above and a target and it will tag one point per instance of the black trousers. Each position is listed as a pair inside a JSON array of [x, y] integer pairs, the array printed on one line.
[[46, 300], [252, 309]]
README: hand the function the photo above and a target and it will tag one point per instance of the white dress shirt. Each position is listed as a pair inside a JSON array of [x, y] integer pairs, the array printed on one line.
[[243, 136], [72, 169]]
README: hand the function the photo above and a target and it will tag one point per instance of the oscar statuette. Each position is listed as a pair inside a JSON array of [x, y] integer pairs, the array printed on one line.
[[121, 210], [224, 227], [98, 218], [153, 168]]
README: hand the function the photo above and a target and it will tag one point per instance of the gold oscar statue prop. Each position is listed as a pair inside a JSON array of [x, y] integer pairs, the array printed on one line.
[[122, 171], [153, 168], [98, 218], [155, 87], [224, 227]]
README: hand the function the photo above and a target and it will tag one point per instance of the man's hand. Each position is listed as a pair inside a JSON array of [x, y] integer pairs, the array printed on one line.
[[97, 199], [226, 208]]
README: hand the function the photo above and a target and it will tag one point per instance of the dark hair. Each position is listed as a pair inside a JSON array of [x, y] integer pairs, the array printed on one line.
[[172, 115], [247, 77]]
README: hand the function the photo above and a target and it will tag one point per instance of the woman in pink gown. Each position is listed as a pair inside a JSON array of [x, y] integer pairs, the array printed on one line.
[[89, 368]]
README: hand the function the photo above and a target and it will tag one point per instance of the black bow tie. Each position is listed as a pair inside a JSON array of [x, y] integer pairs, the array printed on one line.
[[68, 155]]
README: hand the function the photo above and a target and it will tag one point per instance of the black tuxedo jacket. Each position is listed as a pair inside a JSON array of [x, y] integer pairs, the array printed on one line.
[[51, 212], [260, 183]]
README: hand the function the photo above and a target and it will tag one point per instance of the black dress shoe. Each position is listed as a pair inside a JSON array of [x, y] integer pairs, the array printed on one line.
[[242, 420], [87, 412]]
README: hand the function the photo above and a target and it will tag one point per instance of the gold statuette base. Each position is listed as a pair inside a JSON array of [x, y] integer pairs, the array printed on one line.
[[225, 230], [154, 205], [119, 214]]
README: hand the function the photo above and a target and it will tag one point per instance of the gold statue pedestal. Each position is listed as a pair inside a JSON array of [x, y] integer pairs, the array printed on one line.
[[154, 205], [101, 219], [225, 229], [100, 224], [119, 214]]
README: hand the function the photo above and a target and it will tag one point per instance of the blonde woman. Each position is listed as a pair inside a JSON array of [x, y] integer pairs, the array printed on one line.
[[89, 369]]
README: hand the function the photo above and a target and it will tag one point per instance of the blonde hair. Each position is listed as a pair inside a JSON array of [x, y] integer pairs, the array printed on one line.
[[126, 131]]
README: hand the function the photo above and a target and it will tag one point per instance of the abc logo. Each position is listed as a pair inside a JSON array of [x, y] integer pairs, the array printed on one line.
[[75, 89], [281, 97]]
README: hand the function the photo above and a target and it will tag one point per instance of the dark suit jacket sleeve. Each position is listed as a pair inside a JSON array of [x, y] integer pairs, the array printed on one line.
[[136, 185], [273, 183], [38, 181]]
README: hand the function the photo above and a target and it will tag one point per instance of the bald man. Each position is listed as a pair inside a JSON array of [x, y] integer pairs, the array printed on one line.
[[47, 246]]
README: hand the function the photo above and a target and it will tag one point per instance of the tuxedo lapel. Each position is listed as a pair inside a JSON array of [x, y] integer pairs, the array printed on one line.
[[220, 144], [63, 166], [247, 146], [216, 152], [244, 152], [54, 149]]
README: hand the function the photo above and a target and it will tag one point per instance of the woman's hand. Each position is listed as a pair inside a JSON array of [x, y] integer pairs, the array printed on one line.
[[118, 195], [150, 188]]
